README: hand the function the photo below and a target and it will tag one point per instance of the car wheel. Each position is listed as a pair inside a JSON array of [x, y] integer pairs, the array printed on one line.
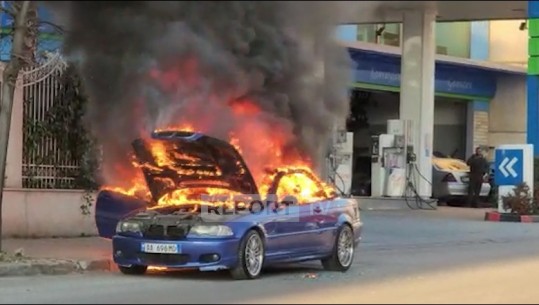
[[133, 269], [250, 257], [343, 251]]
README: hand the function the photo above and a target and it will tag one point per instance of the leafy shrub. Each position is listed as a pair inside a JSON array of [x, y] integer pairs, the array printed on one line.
[[521, 201]]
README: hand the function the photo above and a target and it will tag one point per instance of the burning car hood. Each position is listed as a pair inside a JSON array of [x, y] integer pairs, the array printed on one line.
[[172, 160]]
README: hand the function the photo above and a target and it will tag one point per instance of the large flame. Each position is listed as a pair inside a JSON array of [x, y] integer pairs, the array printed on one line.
[[262, 140]]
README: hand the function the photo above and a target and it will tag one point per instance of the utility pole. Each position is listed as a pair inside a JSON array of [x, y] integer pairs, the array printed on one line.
[[24, 35]]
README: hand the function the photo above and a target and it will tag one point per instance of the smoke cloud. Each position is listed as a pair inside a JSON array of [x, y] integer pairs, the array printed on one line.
[[149, 64]]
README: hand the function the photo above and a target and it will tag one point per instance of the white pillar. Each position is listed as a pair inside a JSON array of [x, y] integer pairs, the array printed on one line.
[[417, 89]]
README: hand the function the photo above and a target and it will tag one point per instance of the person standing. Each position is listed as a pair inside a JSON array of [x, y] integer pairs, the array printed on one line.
[[478, 168]]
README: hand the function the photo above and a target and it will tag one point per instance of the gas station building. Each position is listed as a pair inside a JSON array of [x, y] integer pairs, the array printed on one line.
[[471, 91]]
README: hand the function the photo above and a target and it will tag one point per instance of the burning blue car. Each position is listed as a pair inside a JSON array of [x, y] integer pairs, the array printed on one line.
[[257, 230]]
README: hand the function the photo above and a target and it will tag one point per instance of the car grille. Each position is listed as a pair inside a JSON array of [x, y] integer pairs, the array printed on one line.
[[155, 231], [177, 231], [164, 259], [167, 232]]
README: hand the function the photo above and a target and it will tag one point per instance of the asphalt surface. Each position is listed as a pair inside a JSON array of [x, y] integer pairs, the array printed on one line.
[[447, 256]]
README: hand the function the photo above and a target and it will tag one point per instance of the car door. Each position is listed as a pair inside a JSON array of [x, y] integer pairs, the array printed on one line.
[[293, 224], [325, 215], [311, 222], [284, 232], [311, 218]]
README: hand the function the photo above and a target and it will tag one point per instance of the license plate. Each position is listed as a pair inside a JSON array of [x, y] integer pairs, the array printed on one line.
[[160, 248]]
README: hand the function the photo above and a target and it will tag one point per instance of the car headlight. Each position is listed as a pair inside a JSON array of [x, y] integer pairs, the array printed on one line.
[[128, 226], [211, 231]]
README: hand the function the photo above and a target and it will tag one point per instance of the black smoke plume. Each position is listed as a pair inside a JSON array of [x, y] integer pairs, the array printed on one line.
[[270, 53]]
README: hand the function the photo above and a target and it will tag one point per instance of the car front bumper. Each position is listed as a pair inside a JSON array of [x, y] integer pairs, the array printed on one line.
[[196, 254]]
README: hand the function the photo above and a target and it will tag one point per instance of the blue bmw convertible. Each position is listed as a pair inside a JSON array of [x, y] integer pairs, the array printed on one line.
[[263, 230]]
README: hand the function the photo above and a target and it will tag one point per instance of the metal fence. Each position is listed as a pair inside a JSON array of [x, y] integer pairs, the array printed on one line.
[[44, 166]]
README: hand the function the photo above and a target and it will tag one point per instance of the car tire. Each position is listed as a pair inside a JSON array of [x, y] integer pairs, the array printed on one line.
[[133, 270], [248, 245], [344, 242]]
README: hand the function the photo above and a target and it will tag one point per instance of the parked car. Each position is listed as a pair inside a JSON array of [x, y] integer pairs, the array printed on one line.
[[180, 236], [450, 178]]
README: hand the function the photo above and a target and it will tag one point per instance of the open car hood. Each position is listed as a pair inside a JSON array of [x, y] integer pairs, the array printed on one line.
[[192, 160]]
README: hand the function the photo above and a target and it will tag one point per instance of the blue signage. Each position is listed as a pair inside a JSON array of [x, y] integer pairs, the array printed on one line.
[[509, 169], [384, 69]]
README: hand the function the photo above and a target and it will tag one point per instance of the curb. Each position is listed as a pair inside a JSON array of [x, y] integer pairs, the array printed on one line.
[[52, 267], [507, 217], [95, 265]]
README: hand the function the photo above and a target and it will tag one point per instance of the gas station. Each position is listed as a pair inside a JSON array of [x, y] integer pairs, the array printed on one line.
[[403, 154]]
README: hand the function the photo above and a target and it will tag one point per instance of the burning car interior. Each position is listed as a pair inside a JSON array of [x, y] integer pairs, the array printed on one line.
[[183, 170]]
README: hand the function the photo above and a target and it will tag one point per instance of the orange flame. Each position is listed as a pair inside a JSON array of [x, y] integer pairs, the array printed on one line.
[[157, 268], [261, 138], [179, 127]]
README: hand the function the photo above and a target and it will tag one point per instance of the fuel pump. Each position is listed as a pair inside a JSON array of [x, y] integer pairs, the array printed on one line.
[[378, 170], [390, 156], [394, 163], [341, 161]]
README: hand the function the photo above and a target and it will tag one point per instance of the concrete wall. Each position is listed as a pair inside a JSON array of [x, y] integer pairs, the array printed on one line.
[[508, 44], [46, 213], [507, 117], [34, 212]]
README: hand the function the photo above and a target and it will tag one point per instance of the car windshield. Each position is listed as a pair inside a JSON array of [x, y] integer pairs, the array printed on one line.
[[453, 165]]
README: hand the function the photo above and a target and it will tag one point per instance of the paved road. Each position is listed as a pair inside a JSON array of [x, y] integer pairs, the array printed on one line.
[[406, 257]]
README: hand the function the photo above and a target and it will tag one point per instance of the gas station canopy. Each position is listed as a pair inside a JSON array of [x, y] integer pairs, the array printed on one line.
[[390, 11]]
